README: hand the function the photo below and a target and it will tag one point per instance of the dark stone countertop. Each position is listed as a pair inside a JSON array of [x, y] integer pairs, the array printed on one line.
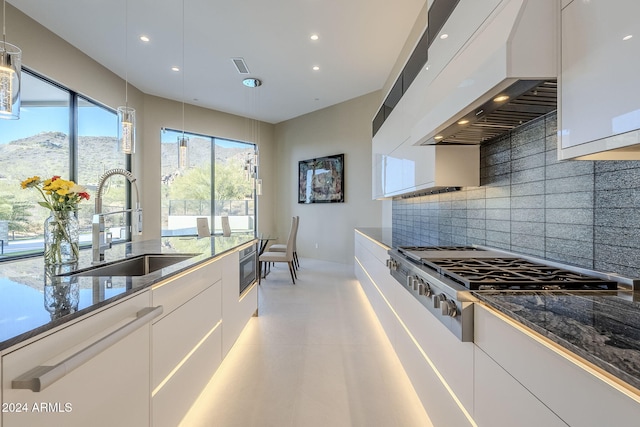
[[602, 328], [33, 300]]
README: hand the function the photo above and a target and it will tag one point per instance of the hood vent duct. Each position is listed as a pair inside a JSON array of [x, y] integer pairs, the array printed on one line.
[[525, 100]]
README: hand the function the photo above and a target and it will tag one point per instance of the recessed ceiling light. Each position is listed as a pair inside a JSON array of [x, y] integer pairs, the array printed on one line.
[[314, 37], [463, 122], [444, 36], [501, 98], [175, 68], [144, 38], [316, 68], [438, 137], [251, 82], [625, 38]]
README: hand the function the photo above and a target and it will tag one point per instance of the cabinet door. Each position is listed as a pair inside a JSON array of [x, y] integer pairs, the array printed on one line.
[[500, 400], [237, 309], [599, 91], [109, 389], [186, 352], [186, 341]]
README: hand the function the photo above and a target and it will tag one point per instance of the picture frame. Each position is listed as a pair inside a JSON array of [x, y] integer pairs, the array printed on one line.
[[321, 180]]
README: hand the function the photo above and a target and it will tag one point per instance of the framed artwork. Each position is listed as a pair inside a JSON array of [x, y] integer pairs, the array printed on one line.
[[321, 180]]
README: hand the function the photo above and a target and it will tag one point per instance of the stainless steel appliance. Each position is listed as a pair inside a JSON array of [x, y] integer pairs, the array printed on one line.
[[248, 267], [442, 279]]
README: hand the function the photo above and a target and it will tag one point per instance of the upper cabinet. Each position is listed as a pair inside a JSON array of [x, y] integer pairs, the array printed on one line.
[[599, 91]]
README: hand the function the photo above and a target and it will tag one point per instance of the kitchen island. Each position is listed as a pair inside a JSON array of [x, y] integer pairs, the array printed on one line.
[[119, 350], [537, 358]]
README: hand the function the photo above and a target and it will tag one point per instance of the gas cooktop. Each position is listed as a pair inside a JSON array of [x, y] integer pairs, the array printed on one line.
[[481, 269]]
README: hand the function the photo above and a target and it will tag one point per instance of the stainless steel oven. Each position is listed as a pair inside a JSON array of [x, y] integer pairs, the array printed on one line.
[[248, 267]]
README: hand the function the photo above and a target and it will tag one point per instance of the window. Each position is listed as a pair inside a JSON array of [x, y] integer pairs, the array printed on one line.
[[226, 189], [97, 153], [58, 133]]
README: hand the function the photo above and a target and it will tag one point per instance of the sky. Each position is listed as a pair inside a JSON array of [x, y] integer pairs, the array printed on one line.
[[92, 121]]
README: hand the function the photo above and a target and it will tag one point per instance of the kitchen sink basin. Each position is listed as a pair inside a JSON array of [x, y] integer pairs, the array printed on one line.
[[134, 266]]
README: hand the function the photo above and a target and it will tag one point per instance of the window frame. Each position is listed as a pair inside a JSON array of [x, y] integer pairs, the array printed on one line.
[[73, 160], [212, 159]]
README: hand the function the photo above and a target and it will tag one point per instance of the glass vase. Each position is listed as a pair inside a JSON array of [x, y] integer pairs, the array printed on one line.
[[61, 238], [61, 293]]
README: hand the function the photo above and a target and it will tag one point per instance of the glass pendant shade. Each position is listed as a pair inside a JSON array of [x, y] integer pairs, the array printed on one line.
[[183, 152], [127, 129], [10, 67]]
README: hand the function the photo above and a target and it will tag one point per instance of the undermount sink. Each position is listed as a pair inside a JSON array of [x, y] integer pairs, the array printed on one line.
[[134, 266]]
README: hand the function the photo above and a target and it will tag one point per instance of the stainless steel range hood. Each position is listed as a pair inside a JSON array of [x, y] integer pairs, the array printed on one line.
[[512, 54], [523, 101]]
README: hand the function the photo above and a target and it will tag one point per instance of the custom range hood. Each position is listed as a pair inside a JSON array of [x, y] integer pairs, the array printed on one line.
[[498, 76]]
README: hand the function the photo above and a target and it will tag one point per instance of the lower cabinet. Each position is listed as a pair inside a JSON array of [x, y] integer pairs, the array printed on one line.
[[237, 309], [548, 379], [185, 342], [439, 366], [500, 400], [507, 377], [108, 389]]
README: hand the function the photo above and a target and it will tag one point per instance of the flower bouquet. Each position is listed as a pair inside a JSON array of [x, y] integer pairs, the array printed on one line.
[[61, 235]]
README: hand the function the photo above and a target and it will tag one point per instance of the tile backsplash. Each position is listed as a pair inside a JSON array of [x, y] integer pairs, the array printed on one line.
[[578, 212]]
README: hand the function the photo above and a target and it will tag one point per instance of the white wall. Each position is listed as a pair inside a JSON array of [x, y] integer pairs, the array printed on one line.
[[343, 128]]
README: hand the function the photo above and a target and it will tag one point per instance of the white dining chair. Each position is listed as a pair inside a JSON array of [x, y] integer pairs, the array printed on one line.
[[280, 247], [287, 256]]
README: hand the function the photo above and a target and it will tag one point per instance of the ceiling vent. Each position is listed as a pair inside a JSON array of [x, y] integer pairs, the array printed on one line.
[[241, 66]]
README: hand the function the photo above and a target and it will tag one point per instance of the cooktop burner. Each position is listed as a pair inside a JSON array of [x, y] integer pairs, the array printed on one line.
[[404, 249], [513, 273]]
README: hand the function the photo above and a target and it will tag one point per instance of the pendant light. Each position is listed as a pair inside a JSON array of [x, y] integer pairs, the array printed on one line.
[[126, 114], [183, 141], [10, 67]]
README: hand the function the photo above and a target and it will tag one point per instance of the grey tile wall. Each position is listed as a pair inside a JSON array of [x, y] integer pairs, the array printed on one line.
[[583, 213]]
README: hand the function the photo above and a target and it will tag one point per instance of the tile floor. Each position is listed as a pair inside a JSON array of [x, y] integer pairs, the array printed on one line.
[[315, 356]]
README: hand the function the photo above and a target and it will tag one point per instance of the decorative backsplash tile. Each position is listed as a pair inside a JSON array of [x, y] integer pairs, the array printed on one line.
[[584, 213]]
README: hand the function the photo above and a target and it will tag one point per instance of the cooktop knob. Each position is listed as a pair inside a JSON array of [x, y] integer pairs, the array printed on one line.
[[426, 290], [417, 284], [437, 299], [410, 281], [448, 308]]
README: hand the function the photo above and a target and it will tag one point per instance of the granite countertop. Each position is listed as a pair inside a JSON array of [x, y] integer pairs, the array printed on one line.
[[34, 300], [602, 328]]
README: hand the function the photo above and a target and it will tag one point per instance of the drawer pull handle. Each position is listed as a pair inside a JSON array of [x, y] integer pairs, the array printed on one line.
[[41, 377]]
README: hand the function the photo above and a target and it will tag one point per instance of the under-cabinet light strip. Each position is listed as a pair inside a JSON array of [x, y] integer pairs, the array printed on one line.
[[424, 355], [185, 359]]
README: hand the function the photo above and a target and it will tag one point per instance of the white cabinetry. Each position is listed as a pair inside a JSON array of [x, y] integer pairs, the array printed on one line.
[[109, 389], [186, 341], [599, 91], [439, 366], [237, 309], [494, 387], [413, 168], [551, 384]]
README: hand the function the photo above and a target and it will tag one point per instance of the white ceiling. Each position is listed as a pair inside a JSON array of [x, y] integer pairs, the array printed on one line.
[[359, 42]]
